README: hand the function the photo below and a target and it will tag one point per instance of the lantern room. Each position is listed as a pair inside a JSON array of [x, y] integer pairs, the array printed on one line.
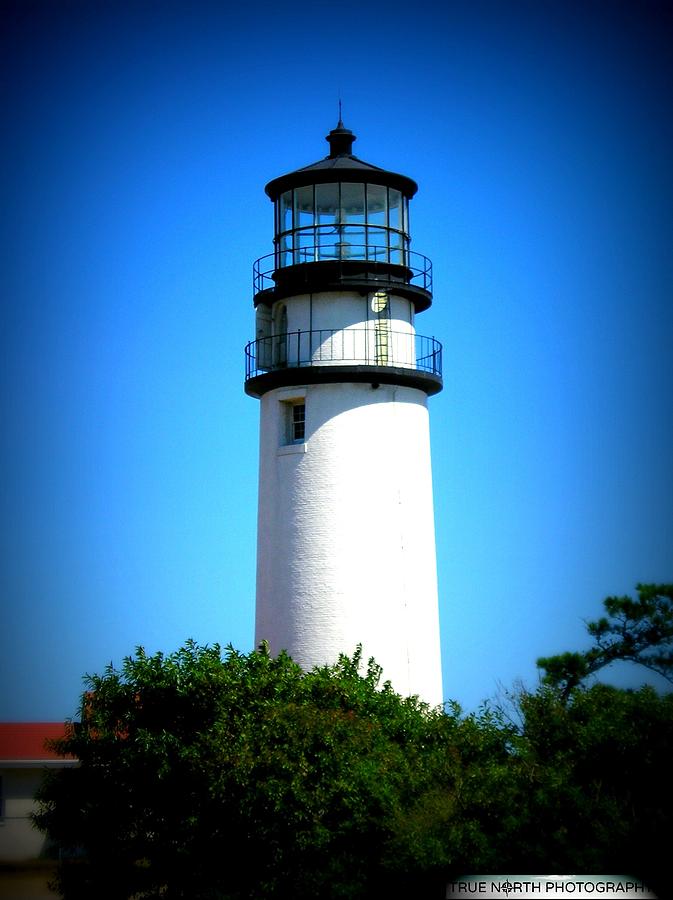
[[342, 222]]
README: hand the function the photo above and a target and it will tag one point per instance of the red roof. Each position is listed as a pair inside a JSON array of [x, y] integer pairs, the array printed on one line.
[[25, 740]]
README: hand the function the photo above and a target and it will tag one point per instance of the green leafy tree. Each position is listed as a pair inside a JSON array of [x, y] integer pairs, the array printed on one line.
[[599, 784], [214, 776], [639, 631], [203, 776], [595, 758]]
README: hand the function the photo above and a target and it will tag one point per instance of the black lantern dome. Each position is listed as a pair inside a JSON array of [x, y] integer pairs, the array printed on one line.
[[342, 223], [340, 164]]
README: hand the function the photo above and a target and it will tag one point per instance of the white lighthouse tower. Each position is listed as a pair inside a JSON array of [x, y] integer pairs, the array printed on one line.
[[346, 543]]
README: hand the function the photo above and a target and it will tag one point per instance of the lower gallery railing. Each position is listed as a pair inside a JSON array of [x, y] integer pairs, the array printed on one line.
[[376, 345]]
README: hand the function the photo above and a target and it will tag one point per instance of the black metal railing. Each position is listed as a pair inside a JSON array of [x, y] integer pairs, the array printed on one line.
[[375, 345], [405, 266]]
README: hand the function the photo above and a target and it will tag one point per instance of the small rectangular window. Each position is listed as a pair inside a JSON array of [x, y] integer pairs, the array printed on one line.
[[298, 424], [292, 422]]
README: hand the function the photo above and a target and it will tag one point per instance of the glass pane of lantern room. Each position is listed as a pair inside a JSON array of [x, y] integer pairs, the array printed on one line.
[[377, 244], [353, 218], [285, 247], [285, 217], [376, 204], [376, 219], [395, 244], [305, 246], [395, 209], [326, 203], [352, 204], [327, 208], [303, 207]]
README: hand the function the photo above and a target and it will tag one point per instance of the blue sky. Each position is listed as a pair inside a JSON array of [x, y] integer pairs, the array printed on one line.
[[137, 142]]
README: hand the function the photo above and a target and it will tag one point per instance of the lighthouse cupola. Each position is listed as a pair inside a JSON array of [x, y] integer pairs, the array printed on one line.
[[346, 546]]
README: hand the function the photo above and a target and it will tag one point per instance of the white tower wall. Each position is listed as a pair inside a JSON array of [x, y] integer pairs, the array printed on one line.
[[330, 328], [346, 542]]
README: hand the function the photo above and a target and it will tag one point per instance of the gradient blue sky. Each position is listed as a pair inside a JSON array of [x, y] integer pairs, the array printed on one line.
[[137, 141]]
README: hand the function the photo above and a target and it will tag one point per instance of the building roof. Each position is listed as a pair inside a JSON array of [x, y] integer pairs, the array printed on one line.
[[23, 742]]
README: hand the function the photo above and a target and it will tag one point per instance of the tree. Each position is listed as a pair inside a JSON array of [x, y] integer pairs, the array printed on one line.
[[599, 781], [211, 776], [639, 631], [597, 758], [221, 776]]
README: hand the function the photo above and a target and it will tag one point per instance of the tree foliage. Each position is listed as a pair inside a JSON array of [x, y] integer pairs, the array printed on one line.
[[205, 775], [639, 631], [222, 776], [600, 786]]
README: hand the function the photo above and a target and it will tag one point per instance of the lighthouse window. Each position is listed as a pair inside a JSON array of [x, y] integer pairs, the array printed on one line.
[[395, 244], [377, 244], [298, 431], [285, 223], [326, 203], [292, 421], [303, 207], [286, 211], [352, 204], [352, 236], [395, 209], [376, 205]]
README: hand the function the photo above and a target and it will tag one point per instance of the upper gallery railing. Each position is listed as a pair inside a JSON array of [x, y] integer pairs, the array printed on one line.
[[412, 268]]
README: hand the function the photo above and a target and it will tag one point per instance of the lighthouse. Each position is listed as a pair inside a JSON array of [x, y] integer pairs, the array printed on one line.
[[345, 541]]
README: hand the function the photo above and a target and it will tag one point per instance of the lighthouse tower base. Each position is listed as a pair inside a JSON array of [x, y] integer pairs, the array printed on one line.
[[346, 542]]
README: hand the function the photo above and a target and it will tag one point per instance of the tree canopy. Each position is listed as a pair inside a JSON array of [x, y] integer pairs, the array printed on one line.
[[205, 774], [638, 631], [214, 775]]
